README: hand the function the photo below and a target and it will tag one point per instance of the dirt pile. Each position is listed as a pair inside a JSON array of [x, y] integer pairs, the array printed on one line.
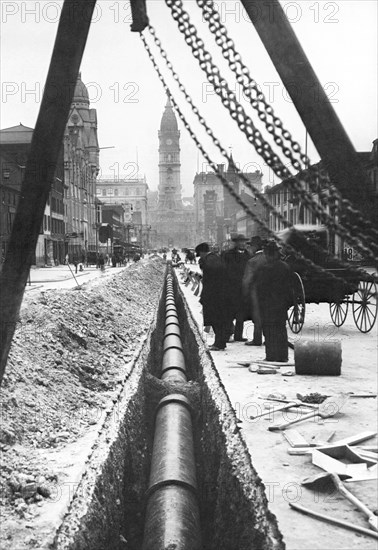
[[71, 351]]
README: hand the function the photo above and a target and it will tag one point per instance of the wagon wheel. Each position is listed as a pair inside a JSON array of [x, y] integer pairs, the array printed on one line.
[[296, 314], [365, 306], [338, 311]]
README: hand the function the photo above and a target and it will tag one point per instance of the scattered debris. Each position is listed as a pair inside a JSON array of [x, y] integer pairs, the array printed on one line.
[[322, 438], [342, 460], [266, 370], [70, 353], [354, 439], [315, 398], [295, 439], [328, 408], [300, 451], [276, 396], [362, 395]]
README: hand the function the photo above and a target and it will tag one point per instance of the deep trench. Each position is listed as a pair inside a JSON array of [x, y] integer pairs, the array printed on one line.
[[233, 506]]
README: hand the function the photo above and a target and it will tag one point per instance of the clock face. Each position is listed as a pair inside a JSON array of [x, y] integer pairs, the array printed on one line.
[[169, 142]]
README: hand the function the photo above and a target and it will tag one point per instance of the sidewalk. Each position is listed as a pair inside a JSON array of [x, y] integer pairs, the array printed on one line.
[[64, 276], [281, 472], [58, 273]]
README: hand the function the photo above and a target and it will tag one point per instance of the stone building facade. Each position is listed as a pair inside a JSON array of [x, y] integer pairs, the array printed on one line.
[[15, 145], [218, 216], [69, 224], [132, 195], [81, 167], [285, 201], [10, 185]]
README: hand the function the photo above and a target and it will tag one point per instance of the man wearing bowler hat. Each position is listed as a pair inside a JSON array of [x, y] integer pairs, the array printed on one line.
[[235, 261], [274, 292]]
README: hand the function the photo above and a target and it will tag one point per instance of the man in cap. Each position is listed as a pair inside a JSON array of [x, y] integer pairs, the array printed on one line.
[[214, 295], [235, 261], [274, 292], [249, 288]]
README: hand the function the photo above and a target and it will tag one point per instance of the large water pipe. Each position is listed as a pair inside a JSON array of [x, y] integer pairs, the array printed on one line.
[[172, 513]]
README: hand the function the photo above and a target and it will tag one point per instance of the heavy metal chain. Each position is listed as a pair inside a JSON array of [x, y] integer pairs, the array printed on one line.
[[210, 133], [273, 124], [268, 205], [246, 125], [251, 89], [230, 188]]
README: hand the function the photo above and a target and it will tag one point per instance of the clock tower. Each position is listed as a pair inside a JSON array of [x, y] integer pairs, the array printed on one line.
[[171, 219], [170, 201]]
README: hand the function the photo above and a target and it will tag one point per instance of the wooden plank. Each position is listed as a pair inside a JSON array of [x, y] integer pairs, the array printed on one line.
[[300, 451], [371, 448], [366, 455], [354, 439], [322, 438], [295, 439]]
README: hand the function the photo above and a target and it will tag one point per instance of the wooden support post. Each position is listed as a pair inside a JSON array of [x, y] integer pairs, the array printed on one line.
[[313, 106], [47, 141]]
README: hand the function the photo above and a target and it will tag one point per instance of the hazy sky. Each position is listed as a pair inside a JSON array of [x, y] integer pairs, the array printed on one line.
[[339, 38]]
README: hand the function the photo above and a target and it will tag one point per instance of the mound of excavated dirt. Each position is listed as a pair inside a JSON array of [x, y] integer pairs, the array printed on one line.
[[70, 353]]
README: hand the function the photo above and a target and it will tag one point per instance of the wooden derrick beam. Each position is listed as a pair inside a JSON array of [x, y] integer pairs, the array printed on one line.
[[312, 103], [40, 169]]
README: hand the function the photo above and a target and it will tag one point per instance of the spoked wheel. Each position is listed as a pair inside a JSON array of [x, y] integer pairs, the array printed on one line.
[[365, 306], [296, 314], [338, 311]]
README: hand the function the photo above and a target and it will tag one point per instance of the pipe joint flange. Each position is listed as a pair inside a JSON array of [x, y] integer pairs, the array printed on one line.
[[175, 398]]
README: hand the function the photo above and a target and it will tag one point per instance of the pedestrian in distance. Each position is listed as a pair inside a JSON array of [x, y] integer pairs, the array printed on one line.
[[101, 262], [249, 287], [215, 295], [274, 294], [75, 262], [235, 261]]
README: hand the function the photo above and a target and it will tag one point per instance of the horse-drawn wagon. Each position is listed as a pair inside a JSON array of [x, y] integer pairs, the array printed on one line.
[[332, 282]]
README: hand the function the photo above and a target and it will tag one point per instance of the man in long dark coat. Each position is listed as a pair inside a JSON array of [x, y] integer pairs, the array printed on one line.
[[249, 288], [274, 293], [214, 295], [235, 260]]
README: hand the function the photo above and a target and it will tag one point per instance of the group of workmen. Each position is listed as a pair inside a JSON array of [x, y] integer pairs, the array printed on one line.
[[247, 282]]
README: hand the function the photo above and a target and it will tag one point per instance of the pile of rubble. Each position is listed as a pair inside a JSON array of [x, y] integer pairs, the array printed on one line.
[[70, 353]]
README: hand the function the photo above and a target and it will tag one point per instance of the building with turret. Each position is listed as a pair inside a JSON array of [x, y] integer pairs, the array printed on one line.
[[171, 220], [70, 223], [81, 167]]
